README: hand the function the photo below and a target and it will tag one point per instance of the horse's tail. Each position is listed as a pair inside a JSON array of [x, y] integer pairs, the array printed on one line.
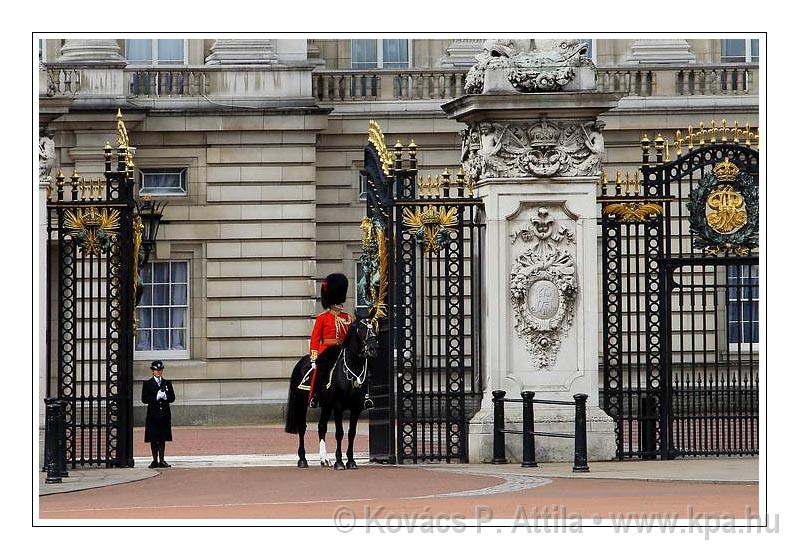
[[297, 402]]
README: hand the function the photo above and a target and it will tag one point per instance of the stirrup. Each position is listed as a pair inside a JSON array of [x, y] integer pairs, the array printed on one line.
[[313, 402], [368, 402]]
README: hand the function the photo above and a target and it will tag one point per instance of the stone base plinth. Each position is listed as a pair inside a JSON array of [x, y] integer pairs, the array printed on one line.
[[600, 438]]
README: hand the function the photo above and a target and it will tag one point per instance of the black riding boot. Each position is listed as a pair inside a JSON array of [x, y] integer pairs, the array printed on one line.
[[154, 450]]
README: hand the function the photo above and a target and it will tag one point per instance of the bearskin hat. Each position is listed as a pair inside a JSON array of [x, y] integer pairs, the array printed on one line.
[[333, 290]]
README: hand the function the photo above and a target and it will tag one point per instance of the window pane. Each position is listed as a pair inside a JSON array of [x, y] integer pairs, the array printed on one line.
[[179, 272], [170, 51], [160, 294], [161, 317], [395, 53], [754, 50], [178, 294], [145, 317], [364, 53], [733, 333], [178, 318], [147, 295], [178, 339], [160, 339], [162, 181], [143, 340], [147, 274], [160, 273], [139, 51], [733, 50]]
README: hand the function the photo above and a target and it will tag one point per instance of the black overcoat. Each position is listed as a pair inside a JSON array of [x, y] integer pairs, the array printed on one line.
[[158, 424]]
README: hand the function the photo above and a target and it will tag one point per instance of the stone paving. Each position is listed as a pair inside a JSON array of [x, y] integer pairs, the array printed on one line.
[[250, 472]]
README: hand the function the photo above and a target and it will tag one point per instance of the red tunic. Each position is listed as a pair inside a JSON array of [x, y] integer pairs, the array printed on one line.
[[330, 328]]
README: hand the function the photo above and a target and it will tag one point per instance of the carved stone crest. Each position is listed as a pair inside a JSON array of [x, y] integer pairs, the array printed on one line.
[[543, 287], [550, 67], [535, 149]]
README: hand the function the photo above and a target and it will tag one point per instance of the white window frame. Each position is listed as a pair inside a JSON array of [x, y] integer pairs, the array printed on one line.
[[748, 50], [379, 52], [172, 354], [179, 170], [735, 346], [154, 53]]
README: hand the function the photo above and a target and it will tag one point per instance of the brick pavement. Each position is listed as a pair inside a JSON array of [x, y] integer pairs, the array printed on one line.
[[241, 440]]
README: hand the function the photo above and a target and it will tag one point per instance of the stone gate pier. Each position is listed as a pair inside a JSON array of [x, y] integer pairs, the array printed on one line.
[[533, 144]]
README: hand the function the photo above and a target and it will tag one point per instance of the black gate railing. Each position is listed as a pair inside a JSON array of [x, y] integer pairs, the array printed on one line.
[[680, 298], [90, 277], [434, 296]]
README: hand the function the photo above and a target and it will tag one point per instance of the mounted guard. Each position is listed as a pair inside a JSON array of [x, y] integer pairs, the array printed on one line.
[[330, 328]]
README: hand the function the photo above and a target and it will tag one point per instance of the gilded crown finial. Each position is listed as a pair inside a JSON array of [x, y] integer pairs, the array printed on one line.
[[726, 171]]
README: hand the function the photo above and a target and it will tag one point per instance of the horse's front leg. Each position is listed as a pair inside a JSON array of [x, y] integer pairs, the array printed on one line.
[[351, 436], [337, 417], [322, 430]]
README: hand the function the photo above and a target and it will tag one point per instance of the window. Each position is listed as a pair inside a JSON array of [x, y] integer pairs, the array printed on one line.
[[164, 311], [386, 53], [155, 51], [740, 50], [163, 182], [362, 185], [591, 50], [742, 305]]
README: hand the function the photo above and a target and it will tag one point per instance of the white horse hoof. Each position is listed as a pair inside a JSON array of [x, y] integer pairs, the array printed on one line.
[[325, 463]]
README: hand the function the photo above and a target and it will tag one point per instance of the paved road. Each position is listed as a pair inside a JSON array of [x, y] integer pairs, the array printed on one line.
[[375, 491]]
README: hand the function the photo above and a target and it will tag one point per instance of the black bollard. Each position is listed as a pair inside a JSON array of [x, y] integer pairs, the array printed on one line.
[[581, 462], [499, 455], [528, 442], [62, 438], [52, 409]]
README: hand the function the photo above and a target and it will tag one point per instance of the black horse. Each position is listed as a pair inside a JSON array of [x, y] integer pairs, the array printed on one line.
[[349, 365]]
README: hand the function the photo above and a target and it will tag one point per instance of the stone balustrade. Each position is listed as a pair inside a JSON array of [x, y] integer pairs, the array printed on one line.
[[679, 80], [335, 86], [179, 81], [330, 86]]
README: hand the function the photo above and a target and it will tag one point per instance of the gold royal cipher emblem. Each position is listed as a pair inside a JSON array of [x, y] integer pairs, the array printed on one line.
[[430, 225], [725, 207]]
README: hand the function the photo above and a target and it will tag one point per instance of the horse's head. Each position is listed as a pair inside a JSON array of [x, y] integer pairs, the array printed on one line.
[[366, 341]]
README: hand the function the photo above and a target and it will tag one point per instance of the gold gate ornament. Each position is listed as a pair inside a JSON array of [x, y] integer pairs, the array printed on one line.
[[430, 225]]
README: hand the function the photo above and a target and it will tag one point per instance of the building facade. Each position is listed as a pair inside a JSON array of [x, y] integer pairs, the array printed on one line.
[[257, 144]]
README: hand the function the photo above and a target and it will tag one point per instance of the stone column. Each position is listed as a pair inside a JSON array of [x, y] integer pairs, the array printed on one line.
[[536, 158], [661, 51], [242, 51], [90, 50], [97, 66]]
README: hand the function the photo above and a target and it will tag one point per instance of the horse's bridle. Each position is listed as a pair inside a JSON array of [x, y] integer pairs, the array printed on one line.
[[356, 379]]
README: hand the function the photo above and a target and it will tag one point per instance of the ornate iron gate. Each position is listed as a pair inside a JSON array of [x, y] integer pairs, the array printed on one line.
[[434, 294], [680, 298], [90, 277]]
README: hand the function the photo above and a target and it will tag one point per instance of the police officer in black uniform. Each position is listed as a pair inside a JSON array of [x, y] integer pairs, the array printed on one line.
[[157, 393]]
